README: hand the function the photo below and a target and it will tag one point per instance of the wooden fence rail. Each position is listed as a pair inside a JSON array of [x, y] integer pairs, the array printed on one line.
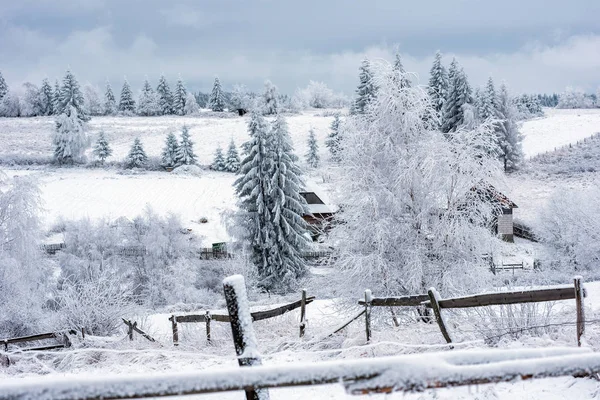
[[61, 336], [256, 316]]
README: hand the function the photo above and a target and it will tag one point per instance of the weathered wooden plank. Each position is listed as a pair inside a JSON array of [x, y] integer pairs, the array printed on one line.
[[260, 315], [368, 299], [434, 299], [400, 301], [190, 318], [43, 348], [41, 336], [303, 313], [502, 298]]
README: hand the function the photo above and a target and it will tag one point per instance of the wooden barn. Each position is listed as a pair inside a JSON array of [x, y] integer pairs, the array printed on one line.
[[321, 215], [503, 223]]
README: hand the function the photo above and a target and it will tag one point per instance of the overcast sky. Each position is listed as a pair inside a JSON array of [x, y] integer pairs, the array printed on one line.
[[535, 45]]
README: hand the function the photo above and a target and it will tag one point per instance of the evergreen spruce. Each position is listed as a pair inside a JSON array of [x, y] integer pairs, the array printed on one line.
[[69, 138], [438, 83], [216, 101], [165, 97], [110, 104], [270, 99], [219, 161], [56, 98], [185, 153], [147, 104], [169, 154], [333, 139], [46, 100], [400, 73], [510, 141], [126, 103], [137, 157], [312, 156], [366, 89], [459, 94], [3, 87], [179, 98], [489, 102], [232, 159], [191, 105], [285, 263], [71, 95], [102, 149]]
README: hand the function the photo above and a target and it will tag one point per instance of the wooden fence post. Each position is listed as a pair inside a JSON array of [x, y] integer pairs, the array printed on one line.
[[244, 338], [175, 331], [208, 318], [580, 310], [368, 300], [130, 330], [434, 298], [303, 313]]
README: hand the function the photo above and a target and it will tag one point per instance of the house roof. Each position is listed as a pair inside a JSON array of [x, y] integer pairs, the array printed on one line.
[[320, 209], [491, 193]]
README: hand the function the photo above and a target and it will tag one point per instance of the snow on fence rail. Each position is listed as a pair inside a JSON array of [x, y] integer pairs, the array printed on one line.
[[256, 316], [407, 373]]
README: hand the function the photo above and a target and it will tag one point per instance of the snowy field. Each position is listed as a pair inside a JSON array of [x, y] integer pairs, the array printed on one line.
[[111, 193]]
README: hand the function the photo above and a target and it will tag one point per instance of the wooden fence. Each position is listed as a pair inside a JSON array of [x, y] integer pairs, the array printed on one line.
[[408, 373], [208, 317]]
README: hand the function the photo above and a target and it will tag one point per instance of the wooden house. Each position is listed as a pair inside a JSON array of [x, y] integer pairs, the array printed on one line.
[[320, 214]]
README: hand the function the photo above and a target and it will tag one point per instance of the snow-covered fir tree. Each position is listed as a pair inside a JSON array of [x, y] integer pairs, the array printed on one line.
[[179, 97], [165, 97], [489, 101], [3, 86], [438, 83], [312, 156], [270, 99], [232, 159], [401, 72], [333, 139], [46, 99], [126, 102], [71, 95], [137, 157], [510, 140], [185, 152], [269, 220], [102, 149], [147, 104], [169, 153], [191, 105], [285, 263], [366, 90], [411, 219], [56, 98], [219, 160], [110, 103], [216, 101], [459, 93], [69, 140]]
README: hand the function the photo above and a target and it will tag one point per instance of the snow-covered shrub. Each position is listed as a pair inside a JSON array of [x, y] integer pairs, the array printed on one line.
[[569, 225], [318, 95], [10, 105]]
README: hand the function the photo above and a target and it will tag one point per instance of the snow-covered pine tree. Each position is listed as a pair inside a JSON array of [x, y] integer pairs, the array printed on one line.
[[46, 100], [110, 104], [185, 152], [69, 140], [165, 97], [179, 97], [333, 139], [489, 102], [510, 143], [459, 93], [366, 90], [219, 161], [216, 101], [438, 83], [3, 87], [285, 263], [270, 99], [191, 105], [169, 153], [137, 157], [312, 156], [147, 104], [56, 98], [478, 102], [253, 222], [232, 159], [401, 72], [126, 102], [102, 149], [71, 95]]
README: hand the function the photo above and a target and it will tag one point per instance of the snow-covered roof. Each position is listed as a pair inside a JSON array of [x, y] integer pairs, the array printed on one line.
[[320, 209]]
